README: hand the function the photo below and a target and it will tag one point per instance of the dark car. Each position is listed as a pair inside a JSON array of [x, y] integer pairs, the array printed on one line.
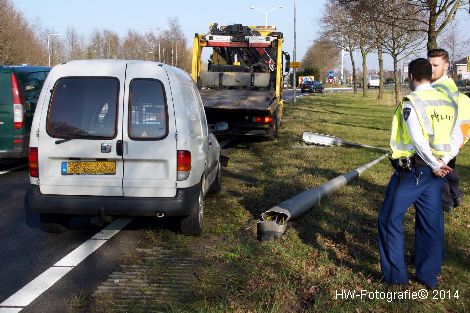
[[20, 87], [312, 86]]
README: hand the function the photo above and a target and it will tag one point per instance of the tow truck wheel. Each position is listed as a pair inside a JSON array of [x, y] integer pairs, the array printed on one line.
[[274, 131], [216, 186]]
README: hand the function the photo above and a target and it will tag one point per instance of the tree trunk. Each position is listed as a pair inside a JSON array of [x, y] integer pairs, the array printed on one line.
[[395, 77], [432, 39], [381, 71], [364, 71], [432, 32], [353, 64]]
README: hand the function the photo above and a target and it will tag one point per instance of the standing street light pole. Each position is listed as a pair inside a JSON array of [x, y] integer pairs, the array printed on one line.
[[295, 52], [266, 11], [49, 46]]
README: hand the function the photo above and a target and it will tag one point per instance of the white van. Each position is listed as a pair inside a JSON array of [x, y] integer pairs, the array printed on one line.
[[121, 138], [374, 82]]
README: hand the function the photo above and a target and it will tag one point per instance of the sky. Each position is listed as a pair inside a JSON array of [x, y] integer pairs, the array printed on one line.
[[194, 17]]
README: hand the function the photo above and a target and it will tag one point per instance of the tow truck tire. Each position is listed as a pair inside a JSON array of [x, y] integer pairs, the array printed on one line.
[[54, 223], [216, 186], [192, 224], [274, 131]]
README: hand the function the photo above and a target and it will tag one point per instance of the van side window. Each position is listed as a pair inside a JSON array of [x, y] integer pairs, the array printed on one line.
[[83, 107], [148, 114], [192, 112]]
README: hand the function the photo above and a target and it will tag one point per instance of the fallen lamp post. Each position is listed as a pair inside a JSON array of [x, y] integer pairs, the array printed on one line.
[[274, 221]]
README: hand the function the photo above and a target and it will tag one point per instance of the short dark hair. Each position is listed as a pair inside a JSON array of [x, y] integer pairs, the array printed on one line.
[[434, 53], [421, 69]]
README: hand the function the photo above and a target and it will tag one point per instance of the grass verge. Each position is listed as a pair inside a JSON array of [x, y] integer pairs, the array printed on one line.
[[328, 251]]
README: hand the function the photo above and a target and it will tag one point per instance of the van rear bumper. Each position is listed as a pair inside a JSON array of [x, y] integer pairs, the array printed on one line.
[[180, 205]]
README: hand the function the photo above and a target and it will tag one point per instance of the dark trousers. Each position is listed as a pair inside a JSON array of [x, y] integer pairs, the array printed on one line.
[[421, 188], [451, 189]]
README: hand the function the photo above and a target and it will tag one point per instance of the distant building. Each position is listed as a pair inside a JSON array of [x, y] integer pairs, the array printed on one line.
[[461, 68]]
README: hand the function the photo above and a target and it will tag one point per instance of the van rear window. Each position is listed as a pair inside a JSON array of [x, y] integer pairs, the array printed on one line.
[[147, 110], [84, 107]]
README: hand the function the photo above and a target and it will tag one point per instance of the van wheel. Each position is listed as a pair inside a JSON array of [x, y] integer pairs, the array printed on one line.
[[54, 223], [216, 186], [192, 224]]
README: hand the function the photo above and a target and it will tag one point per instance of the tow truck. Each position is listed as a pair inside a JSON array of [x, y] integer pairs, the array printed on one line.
[[243, 84]]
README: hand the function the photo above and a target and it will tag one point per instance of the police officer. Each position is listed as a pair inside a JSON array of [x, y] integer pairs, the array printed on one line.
[[422, 133], [439, 59]]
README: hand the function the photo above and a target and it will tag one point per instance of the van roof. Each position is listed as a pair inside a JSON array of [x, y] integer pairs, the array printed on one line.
[[181, 76]]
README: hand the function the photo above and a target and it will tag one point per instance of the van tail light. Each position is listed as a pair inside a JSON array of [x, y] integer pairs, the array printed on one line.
[[18, 103], [183, 164], [33, 162]]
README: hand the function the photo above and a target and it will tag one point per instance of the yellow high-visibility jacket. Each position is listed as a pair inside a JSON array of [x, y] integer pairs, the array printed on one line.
[[437, 115], [462, 101]]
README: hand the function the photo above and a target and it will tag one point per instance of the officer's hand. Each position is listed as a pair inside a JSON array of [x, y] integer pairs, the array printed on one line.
[[443, 170]]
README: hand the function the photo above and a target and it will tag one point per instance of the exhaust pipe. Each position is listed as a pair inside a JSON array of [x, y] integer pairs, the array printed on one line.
[[160, 214]]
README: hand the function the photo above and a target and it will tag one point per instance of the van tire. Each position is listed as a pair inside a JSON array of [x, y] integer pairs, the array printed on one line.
[[192, 224], [216, 186], [54, 223]]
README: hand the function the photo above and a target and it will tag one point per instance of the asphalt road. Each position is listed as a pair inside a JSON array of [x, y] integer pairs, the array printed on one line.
[[289, 93], [26, 251]]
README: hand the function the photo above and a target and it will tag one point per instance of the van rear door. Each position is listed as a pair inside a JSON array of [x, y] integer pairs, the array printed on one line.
[[149, 133], [78, 151]]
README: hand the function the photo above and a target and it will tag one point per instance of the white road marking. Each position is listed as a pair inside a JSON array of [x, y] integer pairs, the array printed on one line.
[[78, 255], [10, 310], [48, 278], [112, 229], [36, 287], [13, 169]]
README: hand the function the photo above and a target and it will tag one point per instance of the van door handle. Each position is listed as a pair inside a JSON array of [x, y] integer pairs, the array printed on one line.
[[119, 147]]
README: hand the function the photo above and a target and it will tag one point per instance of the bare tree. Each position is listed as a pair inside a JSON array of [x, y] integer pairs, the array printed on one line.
[[339, 30], [75, 44], [400, 42], [433, 16], [454, 42], [134, 46], [19, 42], [322, 54], [373, 11]]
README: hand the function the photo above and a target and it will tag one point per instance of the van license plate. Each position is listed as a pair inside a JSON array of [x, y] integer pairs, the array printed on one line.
[[88, 168]]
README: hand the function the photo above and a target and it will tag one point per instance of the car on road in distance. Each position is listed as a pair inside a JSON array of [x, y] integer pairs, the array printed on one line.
[[373, 82], [312, 86], [121, 138], [19, 91]]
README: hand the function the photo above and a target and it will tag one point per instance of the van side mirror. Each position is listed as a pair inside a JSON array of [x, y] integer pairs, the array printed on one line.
[[218, 127]]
